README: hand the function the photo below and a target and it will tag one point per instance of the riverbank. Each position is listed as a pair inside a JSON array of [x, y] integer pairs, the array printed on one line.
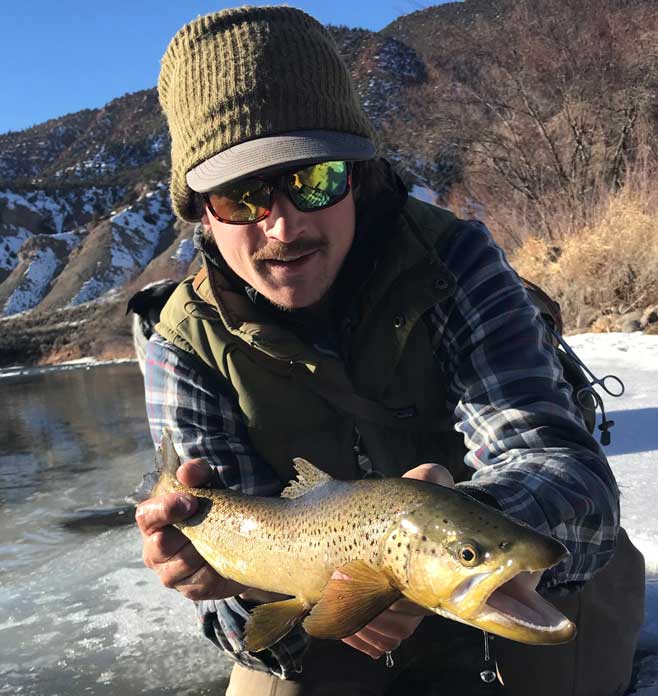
[[94, 330]]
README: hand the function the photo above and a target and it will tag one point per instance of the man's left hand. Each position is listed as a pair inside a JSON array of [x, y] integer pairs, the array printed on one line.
[[386, 631]]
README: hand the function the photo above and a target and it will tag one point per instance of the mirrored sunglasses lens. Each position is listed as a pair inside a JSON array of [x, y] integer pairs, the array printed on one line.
[[244, 201], [319, 185]]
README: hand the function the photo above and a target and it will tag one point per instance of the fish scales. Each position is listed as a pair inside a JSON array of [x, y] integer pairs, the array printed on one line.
[[270, 543], [389, 538]]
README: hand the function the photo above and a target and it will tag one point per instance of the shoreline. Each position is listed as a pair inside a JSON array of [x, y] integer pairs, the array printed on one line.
[[13, 371], [16, 371]]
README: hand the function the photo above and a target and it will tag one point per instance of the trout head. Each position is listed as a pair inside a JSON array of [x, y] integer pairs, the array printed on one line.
[[470, 563]]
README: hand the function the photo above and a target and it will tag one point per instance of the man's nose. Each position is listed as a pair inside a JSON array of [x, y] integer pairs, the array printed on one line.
[[285, 222]]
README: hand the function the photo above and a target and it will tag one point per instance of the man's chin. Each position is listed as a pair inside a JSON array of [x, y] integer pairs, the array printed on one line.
[[291, 305], [291, 299]]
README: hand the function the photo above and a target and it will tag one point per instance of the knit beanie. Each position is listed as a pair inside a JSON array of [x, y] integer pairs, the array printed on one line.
[[250, 88]]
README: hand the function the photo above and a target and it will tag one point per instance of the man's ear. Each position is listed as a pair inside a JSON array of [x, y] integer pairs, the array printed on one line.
[[205, 221]]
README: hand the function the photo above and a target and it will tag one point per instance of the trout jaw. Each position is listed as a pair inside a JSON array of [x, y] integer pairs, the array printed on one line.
[[511, 609]]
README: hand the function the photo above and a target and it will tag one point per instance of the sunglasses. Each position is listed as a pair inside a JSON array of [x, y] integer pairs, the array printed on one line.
[[315, 187]]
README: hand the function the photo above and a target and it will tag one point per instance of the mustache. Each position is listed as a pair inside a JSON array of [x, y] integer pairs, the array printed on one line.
[[278, 251]]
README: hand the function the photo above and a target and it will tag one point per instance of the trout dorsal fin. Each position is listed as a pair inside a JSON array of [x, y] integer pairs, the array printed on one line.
[[308, 477]]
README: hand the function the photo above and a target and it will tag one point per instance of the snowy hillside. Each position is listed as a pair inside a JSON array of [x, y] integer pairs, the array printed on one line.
[[41, 259], [136, 233], [39, 232]]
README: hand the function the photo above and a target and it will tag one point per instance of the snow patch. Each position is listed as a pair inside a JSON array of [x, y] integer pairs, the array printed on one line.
[[136, 233], [34, 283], [40, 203], [90, 290], [10, 243], [424, 193], [185, 252]]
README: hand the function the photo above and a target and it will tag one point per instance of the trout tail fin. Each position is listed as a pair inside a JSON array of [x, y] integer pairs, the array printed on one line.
[[163, 479]]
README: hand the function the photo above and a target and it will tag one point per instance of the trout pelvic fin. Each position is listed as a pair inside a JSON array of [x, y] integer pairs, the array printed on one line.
[[268, 623], [347, 605], [308, 477]]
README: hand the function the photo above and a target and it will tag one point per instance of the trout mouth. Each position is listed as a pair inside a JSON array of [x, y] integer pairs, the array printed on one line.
[[518, 601], [513, 610]]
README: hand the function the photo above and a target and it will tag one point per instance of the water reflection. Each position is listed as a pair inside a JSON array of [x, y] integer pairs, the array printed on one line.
[[79, 612], [69, 440]]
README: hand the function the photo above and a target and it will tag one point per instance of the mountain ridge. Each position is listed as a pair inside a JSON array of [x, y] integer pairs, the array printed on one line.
[[489, 104]]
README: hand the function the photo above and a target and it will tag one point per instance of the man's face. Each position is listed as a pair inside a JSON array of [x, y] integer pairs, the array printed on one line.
[[291, 257]]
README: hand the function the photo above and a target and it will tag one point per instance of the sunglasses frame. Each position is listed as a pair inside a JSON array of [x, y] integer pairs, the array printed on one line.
[[280, 183]]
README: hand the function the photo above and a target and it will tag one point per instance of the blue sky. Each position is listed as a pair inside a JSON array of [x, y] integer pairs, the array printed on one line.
[[57, 57]]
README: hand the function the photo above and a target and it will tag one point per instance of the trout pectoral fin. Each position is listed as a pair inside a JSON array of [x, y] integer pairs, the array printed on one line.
[[268, 623], [347, 605]]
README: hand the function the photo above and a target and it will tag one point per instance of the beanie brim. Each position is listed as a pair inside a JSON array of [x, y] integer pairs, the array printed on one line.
[[286, 149]]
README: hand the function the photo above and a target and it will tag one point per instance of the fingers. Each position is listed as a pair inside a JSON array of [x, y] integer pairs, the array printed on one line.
[[173, 569], [392, 626], [405, 606], [372, 642], [171, 547], [179, 566], [384, 633], [365, 646], [155, 513], [168, 552], [206, 583], [434, 473], [196, 473]]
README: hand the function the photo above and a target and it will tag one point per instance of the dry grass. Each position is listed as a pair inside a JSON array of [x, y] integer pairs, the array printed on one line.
[[608, 267]]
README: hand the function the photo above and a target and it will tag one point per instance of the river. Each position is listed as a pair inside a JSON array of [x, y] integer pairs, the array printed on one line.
[[79, 613]]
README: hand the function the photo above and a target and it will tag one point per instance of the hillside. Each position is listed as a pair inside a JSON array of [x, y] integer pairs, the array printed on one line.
[[525, 117]]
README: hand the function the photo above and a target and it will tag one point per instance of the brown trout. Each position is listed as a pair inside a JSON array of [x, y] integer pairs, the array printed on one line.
[[394, 538]]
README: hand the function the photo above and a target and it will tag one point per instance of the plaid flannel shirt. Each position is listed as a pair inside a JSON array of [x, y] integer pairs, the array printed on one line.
[[526, 441]]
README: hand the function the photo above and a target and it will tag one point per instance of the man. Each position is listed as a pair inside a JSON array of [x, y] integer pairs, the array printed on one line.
[[337, 319]]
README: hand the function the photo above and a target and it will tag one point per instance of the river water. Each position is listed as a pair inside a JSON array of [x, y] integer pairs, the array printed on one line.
[[79, 613]]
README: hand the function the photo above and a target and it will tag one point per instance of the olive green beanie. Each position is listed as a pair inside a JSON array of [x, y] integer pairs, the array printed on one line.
[[249, 73]]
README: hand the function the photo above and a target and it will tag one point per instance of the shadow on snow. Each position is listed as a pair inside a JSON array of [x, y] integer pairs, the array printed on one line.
[[634, 431]]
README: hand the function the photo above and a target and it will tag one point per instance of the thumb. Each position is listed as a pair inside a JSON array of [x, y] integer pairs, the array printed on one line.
[[433, 473], [196, 473]]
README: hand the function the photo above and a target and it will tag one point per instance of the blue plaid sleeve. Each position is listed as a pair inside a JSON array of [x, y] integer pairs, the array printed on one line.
[[202, 413], [526, 440]]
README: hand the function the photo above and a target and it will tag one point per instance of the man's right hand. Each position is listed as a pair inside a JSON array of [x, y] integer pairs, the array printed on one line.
[[170, 553]]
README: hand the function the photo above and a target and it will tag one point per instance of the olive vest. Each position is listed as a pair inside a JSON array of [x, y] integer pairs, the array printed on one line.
[[386, 396]]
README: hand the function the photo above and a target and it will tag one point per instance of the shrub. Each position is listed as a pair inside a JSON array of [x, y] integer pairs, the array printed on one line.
[[608, 267]]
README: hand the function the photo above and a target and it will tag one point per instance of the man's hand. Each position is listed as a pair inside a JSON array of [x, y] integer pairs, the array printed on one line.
[[385, 632], [171, 554]]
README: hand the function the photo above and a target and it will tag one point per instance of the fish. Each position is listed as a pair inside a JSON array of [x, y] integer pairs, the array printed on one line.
[[389, 538]]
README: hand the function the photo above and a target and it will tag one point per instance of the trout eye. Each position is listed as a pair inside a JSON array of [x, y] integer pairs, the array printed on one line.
[[468, 555], [467, 552]]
